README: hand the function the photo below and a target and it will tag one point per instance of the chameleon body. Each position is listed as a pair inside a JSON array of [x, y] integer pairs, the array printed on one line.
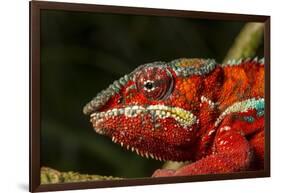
[[188, 109]]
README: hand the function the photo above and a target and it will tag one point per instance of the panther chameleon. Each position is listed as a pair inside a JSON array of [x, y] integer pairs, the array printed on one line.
[[188, 109]]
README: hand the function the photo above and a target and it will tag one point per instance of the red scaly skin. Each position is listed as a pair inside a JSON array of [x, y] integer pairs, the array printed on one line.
[[183, 111]]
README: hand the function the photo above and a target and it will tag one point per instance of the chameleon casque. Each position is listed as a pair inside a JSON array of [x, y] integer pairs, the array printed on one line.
[[188, 109]]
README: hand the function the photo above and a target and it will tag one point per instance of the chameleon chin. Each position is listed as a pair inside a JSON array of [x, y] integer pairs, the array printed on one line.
[[187, 109]]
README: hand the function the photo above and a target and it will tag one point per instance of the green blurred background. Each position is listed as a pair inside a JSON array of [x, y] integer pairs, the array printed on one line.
[[82, 53]]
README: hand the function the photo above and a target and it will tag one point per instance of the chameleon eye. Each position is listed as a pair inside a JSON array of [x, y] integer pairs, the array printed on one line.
[[149, 85], [154, 82]]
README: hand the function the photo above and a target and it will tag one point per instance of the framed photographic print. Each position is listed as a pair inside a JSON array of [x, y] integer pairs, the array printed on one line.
[[123, 96]]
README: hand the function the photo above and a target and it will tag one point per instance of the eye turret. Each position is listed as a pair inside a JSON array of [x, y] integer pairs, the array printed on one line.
[[155, 83]]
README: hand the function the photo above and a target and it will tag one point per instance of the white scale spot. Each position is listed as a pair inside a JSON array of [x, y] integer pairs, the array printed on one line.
[[211, 132], [225, 128], [221, 142]]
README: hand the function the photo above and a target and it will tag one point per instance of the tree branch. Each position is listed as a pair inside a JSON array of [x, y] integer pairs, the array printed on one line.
[[49, 175], [247, 42]]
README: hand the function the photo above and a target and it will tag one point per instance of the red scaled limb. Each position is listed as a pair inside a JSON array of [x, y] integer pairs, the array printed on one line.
[[231, 153]]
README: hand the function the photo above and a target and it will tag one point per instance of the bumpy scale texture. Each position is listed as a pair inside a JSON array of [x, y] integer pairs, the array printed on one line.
[[187, 109]]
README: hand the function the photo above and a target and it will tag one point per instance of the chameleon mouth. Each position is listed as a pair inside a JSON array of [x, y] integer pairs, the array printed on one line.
[[142, 153], [183, 117]]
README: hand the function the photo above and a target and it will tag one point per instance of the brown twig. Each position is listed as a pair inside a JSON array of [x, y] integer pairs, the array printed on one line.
[[49, 175], [247, 42]]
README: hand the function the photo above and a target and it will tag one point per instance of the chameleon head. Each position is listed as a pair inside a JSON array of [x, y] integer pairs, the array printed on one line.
[[146, 112]]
